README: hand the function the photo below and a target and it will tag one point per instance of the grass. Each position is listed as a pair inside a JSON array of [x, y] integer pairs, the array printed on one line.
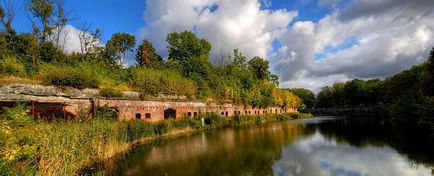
[[8, 80], [29, 147]]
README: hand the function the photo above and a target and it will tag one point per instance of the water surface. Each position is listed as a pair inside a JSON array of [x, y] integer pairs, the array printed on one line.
[[312, 147]]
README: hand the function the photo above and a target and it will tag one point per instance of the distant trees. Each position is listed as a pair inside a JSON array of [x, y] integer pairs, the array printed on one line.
[[118, 45], [147, 56], [428, 84], [308, 99]]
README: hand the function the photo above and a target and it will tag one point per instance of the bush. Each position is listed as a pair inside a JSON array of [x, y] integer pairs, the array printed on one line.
[[12, 66], [162, 82], [70, 76], [110, 92], [161, 127], [17, 116], [216, 120], [104, 112], [139, 129]]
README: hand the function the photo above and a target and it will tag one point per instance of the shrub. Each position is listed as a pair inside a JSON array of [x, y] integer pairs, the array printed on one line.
[[161, 127], [216, 120], [17, 116], [138, 129], [10, 65], [70, 76], [162, 82], [104, 112], [110, 92]]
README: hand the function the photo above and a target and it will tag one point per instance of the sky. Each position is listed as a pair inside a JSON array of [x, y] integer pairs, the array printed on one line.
[[309, 43]]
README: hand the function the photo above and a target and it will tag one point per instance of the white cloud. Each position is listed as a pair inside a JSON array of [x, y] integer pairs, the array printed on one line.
[[70, 39], [390, 39], [226, 24], [391, 35]]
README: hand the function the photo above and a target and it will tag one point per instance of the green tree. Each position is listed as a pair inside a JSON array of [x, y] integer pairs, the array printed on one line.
[[118, 45], [186, 45], [307, 97], [7, 12], [147, 56], [259, 67], [354, 92], [43, 10], [240, 61]]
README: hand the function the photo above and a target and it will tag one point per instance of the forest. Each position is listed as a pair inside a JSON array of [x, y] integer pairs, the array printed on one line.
[[39, 58], [406, 97]]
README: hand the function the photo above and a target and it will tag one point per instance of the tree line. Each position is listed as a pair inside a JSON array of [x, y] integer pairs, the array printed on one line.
[[39, 56], [407, 97]]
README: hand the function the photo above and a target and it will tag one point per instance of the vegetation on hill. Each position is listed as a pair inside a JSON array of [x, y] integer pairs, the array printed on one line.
[[39, 57]]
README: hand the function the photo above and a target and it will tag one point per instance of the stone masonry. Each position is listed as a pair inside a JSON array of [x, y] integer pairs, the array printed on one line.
[[71, 103]]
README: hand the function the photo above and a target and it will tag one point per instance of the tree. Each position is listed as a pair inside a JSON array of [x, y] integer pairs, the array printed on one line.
[[147, 56], [354, 92], [185, 45], [60, 18], [7, 14], [428, 83], [43, 10], [259, 67], [307, 97], [89, 40], [240, 61], [118, 45]]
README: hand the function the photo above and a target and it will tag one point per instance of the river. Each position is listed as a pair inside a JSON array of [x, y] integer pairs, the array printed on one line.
[[310, 147]]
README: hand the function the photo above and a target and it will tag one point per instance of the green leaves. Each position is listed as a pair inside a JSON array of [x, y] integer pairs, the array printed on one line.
[[185, 45], [118, 45], [146, 55]]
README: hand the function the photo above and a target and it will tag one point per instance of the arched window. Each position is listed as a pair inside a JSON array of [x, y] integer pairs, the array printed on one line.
[[170, 113]]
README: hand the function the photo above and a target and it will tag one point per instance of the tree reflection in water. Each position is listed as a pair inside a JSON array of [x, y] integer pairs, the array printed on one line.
[[306, 147]]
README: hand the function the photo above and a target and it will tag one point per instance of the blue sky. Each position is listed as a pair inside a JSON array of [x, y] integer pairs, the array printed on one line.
[[309, 43], [127, 16], [109, 15]]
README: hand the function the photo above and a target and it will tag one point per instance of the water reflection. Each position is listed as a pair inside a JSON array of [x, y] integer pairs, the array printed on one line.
[[307, 147]]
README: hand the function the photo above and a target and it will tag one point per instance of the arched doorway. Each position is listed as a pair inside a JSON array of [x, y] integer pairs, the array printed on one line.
[[170, 113]]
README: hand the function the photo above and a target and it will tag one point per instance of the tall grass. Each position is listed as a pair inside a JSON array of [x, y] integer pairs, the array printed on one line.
[[29, 147]]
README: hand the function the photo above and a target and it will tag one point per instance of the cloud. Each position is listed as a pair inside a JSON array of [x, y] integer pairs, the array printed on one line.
[[226, 24], [388, 40], [386, 36], [316, 155], [69, 39]]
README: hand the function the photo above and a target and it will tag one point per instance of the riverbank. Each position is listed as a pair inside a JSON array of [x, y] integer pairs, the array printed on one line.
[[29, 147]]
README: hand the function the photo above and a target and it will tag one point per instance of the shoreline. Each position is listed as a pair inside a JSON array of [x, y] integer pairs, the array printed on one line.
[[87, 146], [101, 165]]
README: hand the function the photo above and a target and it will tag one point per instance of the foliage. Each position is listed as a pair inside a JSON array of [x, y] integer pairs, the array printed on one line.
[[110, 92], [405, 95], [118, 45], [70, 76], [185, 45], [16, 116], [428, 83], [162, 82], [307, 97], [259, 67], [64, 148], [10, 65], [147, 56]]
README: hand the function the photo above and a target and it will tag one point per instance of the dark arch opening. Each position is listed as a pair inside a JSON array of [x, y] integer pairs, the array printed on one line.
[[170, 113]]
